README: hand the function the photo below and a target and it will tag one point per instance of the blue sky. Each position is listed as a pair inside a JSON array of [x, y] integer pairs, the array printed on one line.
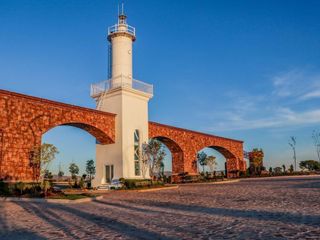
[[243, 69]]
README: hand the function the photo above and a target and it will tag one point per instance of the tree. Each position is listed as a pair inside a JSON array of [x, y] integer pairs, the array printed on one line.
[[211, 163], [41, 157], [154, 154], [311, 165], [21, 186], [74, 170], [202, 159], [270, 169], [292, 142], [256, 160], [144, 159], [277, 170], [90, 169], [161, 169], [316, 142], [60, 174], [284, 168], [291, 168], [47, 175], [45, 186]]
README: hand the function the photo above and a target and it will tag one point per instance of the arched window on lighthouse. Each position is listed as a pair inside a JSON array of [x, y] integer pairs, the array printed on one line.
[[136, 152]]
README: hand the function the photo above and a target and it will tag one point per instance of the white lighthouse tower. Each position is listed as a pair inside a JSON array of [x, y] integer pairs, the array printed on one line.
[[128, 99]]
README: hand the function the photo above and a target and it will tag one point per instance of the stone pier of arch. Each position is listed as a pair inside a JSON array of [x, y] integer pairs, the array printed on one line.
[[24, 119]]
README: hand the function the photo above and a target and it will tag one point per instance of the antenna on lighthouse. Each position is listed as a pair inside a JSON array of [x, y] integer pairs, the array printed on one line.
[[122, 9], [122, 16]]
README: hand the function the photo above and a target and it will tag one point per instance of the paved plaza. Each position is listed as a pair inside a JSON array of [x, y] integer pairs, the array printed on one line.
[[268, 208]]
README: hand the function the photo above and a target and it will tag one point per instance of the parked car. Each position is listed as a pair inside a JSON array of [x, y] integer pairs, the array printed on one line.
[[115, 184]]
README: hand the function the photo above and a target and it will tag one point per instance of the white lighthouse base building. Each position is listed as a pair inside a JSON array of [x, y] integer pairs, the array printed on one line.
[[128, 99]]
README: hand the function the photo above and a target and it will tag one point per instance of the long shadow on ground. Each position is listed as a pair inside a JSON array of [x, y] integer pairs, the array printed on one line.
[[283, 179], [20, 234], [313, 184], [103, 222], [7, 234], [50, 217], [156, 213], [311, 220]]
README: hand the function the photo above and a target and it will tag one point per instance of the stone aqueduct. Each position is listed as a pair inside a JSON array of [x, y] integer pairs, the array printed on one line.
[[24, 119]]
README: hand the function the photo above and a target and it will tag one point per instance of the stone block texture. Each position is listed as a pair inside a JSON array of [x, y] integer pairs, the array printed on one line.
[[23, 121], [185, 144]]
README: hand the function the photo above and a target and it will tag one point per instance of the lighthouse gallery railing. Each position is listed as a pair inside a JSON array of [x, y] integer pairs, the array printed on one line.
[[117, 28], [121, 81]]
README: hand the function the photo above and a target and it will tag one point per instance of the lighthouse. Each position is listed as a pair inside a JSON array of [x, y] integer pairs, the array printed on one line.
[[128, 98]]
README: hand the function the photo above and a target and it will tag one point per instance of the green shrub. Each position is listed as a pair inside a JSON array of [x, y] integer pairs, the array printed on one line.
[[24, 188], [136, 183], [4, 188], [139, 183], [45, 186], [33, 189], [20, 188]]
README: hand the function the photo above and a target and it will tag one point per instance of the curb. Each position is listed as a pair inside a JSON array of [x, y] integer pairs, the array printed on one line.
[[210, 183], [157, 189], [229, 181], [41, 200]]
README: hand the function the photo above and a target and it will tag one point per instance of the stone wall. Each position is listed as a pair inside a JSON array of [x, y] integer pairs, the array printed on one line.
[[23, 121], [185, 144]]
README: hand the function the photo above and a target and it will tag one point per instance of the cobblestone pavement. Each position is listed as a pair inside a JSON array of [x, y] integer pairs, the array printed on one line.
[[273, 208]]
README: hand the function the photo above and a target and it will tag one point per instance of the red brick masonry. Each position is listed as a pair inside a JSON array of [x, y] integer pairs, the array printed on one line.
[[24, 119], [185, 144]]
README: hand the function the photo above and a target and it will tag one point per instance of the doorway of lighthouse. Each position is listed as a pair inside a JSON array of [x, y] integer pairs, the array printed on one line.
[[109, 173]]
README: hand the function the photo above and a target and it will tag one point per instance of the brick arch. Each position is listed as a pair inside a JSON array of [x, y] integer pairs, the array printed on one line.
[[224, 152], [176, 153], [231, 160], [102, 137], [231, 149], [191, 142], [24, 119]]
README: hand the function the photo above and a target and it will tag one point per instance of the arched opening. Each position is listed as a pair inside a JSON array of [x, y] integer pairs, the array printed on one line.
[[222, 163], [173, 162], [218, 169], [76, 143], [101, 137]]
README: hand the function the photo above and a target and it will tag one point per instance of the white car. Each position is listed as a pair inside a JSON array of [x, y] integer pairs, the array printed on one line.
[[115, 184]]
